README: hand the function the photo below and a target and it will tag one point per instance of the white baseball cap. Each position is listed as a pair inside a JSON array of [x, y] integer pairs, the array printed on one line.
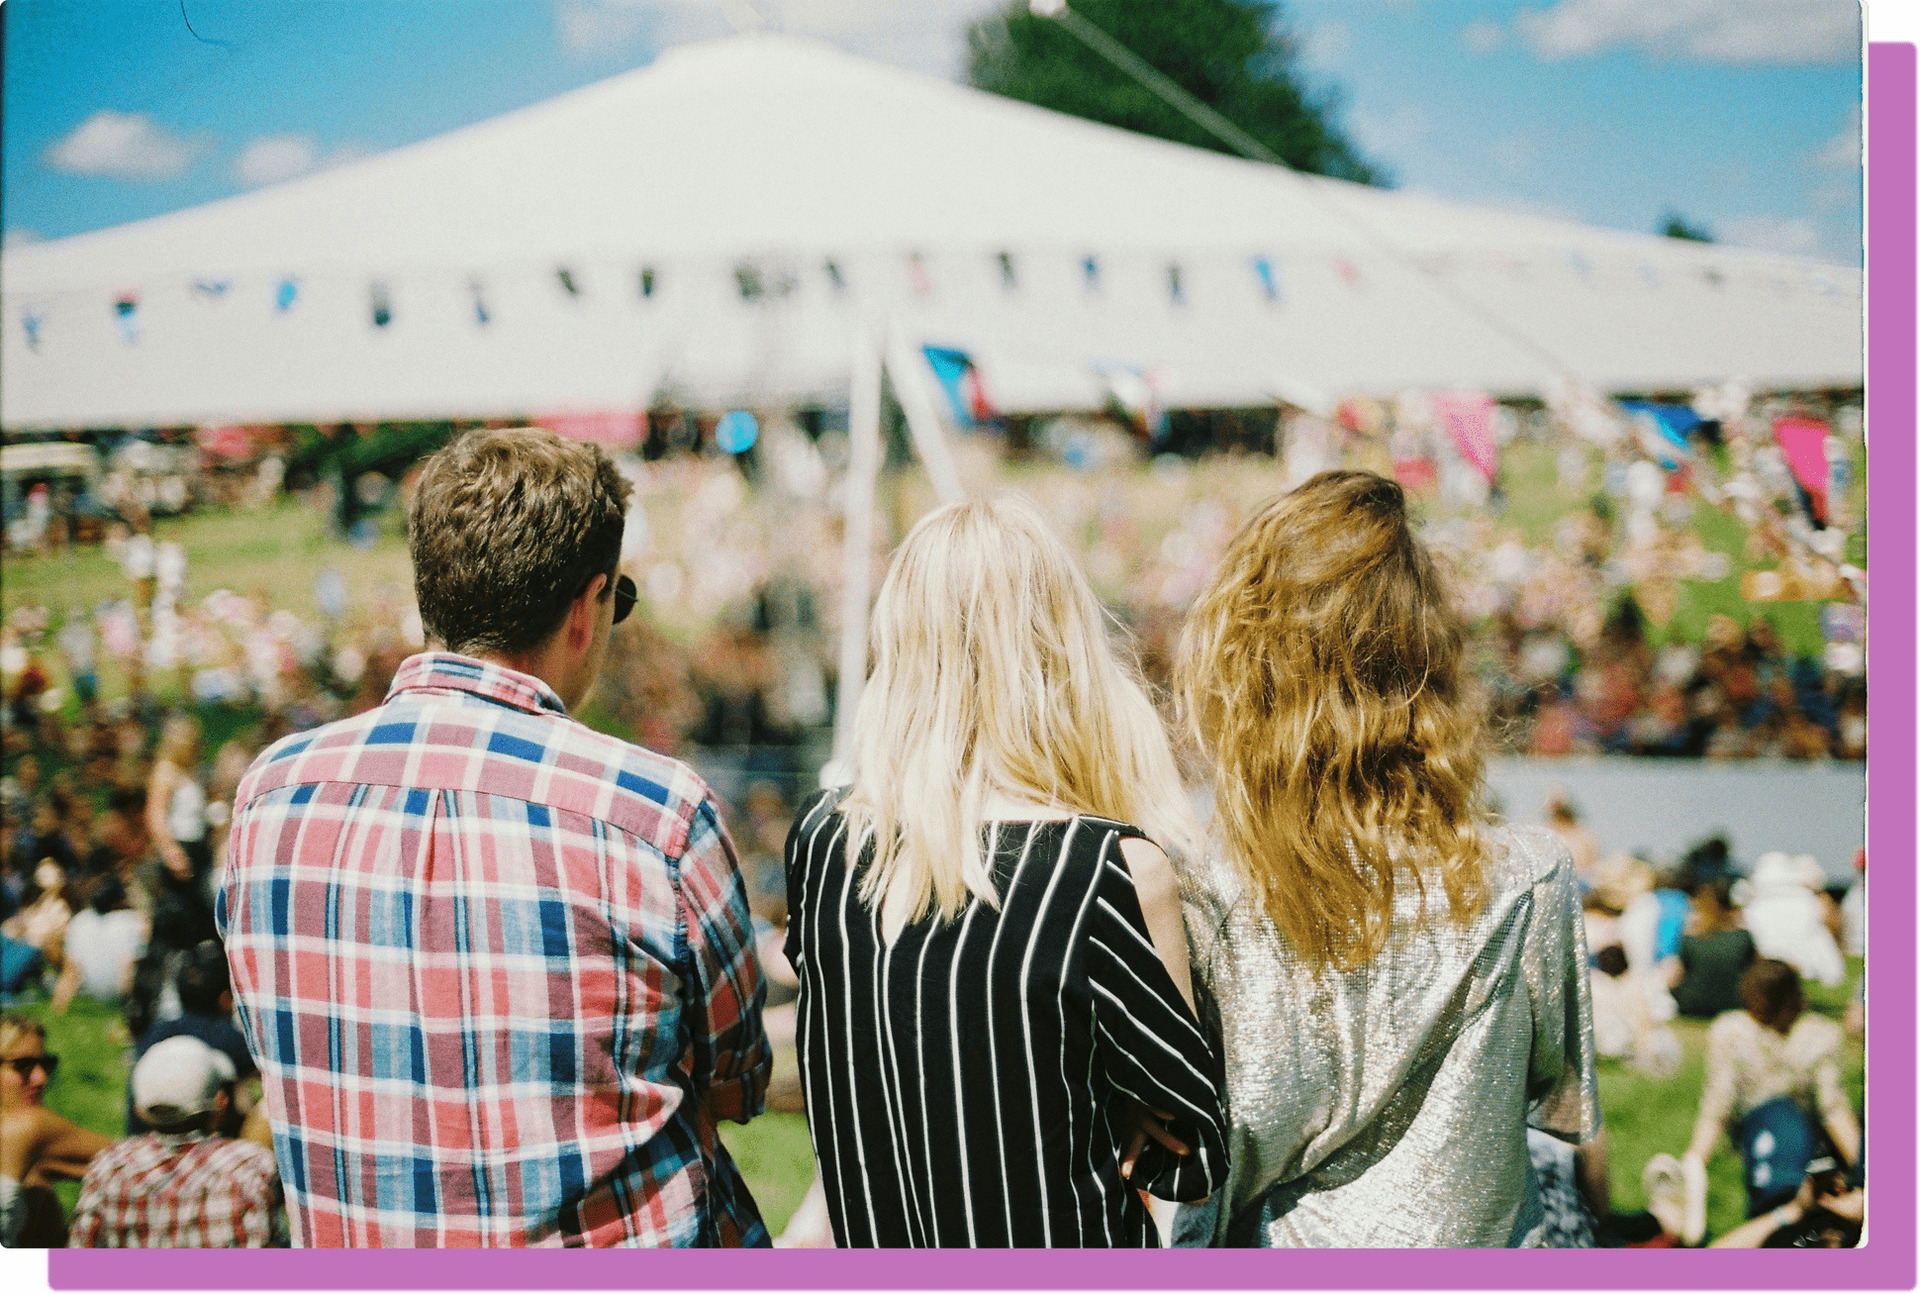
[[178, 1079]]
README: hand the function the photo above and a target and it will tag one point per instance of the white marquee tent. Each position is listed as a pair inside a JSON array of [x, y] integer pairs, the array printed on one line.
[[773, 196]]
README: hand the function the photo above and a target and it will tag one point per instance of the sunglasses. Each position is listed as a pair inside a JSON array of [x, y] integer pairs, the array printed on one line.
[[625, 594], [25, 1065]]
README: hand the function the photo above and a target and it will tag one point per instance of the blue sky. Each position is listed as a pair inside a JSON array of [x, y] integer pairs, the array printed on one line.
[[1742, 114]]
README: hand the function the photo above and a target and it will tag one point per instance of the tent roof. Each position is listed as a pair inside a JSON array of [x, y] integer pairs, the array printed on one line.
[[787, 152]]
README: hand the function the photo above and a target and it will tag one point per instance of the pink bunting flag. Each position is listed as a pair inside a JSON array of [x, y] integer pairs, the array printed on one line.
[[1803, 443], [1417, 474], [1468, 417], [224, 440], [603, 426]]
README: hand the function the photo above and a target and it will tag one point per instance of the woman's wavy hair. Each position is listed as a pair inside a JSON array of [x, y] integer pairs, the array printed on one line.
[[993, 671], [1319, 671]]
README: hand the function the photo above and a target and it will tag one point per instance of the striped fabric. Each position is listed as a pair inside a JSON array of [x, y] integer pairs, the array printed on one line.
[[963, 1084], [497, 969], [177, 1192]]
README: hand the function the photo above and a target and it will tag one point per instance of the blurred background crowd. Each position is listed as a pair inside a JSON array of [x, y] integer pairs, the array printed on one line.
[[161, 630], [1671, 580]]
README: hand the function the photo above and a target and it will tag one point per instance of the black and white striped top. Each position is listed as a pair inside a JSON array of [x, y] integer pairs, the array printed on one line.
[[962, 1083]]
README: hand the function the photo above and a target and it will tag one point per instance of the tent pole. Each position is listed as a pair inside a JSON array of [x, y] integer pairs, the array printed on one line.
[[863, 472], [923, 423]]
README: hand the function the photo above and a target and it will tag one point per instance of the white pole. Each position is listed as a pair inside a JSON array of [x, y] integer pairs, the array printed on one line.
[[856, 584], [908, 372]]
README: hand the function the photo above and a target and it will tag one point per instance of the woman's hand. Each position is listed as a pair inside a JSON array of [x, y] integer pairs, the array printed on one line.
[[175, 859], [1146, 1123]]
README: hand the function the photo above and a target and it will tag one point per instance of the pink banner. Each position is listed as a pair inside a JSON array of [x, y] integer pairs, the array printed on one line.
[[225, 440], [1417, 474], [601, 426], [1468, 417], [1803, 443]]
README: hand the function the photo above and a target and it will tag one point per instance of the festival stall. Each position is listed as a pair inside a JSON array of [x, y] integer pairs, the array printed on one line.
[[719, 226]]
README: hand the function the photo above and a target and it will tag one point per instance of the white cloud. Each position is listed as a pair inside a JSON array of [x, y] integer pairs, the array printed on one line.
[[125, 146], [1718, 31], [1792, 235], [1325, 44], [270, 159], [21, 237], [1483, 35], [1834, 195], [1842, 152]]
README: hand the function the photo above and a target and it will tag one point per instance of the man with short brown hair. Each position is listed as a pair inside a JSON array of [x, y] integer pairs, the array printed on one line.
[[498, 968]]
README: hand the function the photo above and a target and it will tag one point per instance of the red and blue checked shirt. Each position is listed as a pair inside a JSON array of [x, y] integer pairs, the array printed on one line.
[[187, 1191], [498, 971]]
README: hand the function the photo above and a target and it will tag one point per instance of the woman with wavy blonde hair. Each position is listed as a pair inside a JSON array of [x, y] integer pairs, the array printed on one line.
[[1402, 987], [996, 1031]]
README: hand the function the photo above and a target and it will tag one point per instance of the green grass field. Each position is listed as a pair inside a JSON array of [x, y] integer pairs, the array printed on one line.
[[281, 549], [1643, 1115]]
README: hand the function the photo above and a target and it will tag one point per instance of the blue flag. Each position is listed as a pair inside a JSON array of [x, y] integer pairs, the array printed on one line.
[[951, 368], [1672, 421]]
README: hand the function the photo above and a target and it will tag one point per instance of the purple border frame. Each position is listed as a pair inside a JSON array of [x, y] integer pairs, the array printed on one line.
[[1886, 1263]]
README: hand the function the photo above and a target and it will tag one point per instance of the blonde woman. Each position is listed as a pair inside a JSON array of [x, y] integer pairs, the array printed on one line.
[[1402, 987], [996, 1031], [177, 822], [37, 1146]]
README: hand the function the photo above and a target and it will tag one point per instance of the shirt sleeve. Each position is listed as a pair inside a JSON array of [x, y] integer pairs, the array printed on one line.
[[84, 1231], [732, 1059], [1829, 1091], [1563, 1083], [802, 841], [256, 1195], [1149, 1042], [1723, 1068]]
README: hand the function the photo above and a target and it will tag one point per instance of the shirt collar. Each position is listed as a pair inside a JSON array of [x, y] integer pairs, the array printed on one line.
[[444, 671], [175, 1140]]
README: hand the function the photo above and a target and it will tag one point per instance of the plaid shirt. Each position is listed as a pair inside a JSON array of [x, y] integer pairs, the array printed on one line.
[[498, 971], [177, 1192]]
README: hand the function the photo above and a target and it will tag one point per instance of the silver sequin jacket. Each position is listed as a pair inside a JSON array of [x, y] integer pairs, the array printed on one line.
[[1388, 1105]]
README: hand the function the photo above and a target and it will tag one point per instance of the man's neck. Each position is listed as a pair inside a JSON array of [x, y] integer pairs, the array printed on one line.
[[537, 664]]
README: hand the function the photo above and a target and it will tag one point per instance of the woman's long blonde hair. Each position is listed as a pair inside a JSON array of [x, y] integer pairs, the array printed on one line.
[[1319, 672], [993, 672]]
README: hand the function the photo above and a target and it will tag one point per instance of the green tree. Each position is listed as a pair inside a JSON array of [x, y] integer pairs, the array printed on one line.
[[1675, 225], [1235, 56]]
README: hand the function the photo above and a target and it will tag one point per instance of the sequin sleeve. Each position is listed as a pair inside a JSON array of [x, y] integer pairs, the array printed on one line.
[[1563, 1086]]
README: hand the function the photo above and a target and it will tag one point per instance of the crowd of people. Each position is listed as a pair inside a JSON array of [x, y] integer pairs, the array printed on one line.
[[116, 804]]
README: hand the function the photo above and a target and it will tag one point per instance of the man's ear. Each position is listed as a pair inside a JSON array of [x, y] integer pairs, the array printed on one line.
[[580, 616]]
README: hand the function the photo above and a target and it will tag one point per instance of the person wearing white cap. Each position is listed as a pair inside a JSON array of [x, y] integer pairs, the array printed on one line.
[[180, 1186]]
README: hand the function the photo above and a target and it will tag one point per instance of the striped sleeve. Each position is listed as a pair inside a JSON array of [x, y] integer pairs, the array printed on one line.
[[732, 1059], [1149, 1042]]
